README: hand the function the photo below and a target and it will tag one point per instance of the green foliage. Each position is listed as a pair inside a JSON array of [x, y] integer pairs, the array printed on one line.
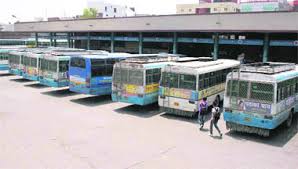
[[89, 13]]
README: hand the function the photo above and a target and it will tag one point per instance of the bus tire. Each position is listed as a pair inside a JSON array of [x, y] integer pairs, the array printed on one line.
[[290, 119]]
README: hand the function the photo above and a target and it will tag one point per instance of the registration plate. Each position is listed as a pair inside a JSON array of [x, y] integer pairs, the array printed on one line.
[[247, 119], [176, 104]]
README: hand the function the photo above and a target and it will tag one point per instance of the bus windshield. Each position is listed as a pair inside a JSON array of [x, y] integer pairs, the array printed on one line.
[[52, 66], [78, 62], [256, 91], [102, 67], [180, 81], [63, 66], [261, 91], [129, 76]]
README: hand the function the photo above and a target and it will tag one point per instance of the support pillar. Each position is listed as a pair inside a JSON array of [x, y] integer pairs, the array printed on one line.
[[68, 40], [112, 42], [36, 39], [88, 41], [266, 48], [216, 46], [51, 39], [55, 40], [140, 43], [175, 43]]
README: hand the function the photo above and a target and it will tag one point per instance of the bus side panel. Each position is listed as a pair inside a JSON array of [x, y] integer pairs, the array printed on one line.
[[77, 78]]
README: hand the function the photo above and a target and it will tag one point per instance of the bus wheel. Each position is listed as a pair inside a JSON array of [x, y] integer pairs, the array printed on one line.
[[289, 120]]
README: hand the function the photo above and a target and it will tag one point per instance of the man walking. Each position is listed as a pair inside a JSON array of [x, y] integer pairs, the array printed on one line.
[[203, 110], [214, 120]]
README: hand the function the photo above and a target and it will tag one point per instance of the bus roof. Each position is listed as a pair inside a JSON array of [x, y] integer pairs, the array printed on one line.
[[261, 77], [201, 67]]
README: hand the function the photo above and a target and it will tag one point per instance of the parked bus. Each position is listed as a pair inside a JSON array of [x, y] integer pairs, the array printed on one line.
[[184, 85], [4, 59], [31, 61], [4, 55], [136, 80], [53, 70], [260, 97], [15, 62], [92, 74]]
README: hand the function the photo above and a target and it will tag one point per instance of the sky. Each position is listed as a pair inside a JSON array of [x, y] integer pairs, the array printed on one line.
[[27, 10]]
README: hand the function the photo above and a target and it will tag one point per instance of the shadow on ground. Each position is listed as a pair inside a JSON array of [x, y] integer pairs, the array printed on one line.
[[279, 137], [93, 100], [21, 80], [140, 111], [37, 86], [187, 119], [60, 93], [5, 74]]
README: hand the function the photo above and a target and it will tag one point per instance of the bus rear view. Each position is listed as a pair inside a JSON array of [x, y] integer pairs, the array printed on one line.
[[92, 74], [259, 97]]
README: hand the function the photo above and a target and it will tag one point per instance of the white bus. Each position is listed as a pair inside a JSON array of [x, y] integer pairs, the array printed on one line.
[[184, 85], [260, 97]]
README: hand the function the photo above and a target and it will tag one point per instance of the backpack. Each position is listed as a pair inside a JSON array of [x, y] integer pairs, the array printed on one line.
[[216, 113]]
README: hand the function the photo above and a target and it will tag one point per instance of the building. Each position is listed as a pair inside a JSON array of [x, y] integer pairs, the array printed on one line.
[[264, 5], [214, 35], [217, 6], [107, 10], [295, 5]]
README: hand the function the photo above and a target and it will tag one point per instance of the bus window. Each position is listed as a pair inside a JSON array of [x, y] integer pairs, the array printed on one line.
[[33, 62], [63, 66], [26, 61], [109, 66], [136, 77], [156, 75], [43, 64], [149, 76], [170, 80], [212, 79], [78, 62], [206, 80], [117, 75], [174, 80], [237, 91], [201, 82], [187, 82], [261, 91], [98, 67], [52, 66]]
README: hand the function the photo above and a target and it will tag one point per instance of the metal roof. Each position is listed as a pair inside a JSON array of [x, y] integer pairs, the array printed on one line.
[[229, 22]]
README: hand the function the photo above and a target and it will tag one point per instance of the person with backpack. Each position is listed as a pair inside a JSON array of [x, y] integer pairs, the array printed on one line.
[[203, 110], [214, 120]]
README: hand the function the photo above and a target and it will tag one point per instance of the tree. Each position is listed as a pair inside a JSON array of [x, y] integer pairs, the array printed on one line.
[[89, 13]]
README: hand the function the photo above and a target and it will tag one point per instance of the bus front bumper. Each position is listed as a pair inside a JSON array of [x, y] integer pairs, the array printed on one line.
[[4, 67], [100, 91], [253, 121]]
